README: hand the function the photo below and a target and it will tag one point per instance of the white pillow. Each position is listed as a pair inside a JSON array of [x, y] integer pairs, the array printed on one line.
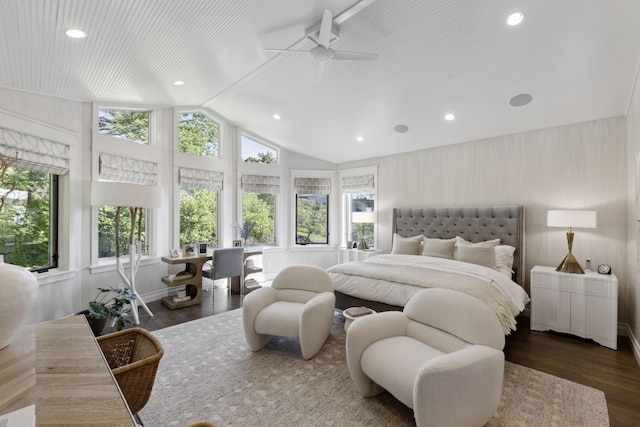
[[406, 245], [440, 248], [460, 241], [504, 257], [474, 254]]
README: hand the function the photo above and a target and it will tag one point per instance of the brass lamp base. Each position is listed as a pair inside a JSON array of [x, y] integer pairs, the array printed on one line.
[[363, 245], [570, 265]]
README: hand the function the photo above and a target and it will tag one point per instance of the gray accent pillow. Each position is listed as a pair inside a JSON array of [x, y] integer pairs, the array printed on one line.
[[481, 255], [440, 248], [406, 245]]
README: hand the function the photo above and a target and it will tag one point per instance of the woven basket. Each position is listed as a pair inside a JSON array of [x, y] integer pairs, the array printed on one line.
[[133, 356]]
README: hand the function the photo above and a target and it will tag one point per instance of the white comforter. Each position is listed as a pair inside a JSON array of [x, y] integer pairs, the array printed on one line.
[[394, 279]]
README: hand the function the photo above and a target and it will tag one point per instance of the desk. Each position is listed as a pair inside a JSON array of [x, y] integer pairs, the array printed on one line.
[[248, 268], [59, 367], [193, 285]]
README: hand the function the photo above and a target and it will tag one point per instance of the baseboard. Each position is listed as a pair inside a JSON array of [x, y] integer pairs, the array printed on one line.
[[635, 344]]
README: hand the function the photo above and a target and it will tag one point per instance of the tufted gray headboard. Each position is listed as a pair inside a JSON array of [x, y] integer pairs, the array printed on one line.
[[472, 224]]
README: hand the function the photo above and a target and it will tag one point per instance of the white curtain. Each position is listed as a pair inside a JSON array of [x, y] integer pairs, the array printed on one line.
[[34, 153], [260, 184], [125, 169], [199, 179]]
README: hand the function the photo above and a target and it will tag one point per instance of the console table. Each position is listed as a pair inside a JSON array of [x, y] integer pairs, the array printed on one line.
[[59, 367]]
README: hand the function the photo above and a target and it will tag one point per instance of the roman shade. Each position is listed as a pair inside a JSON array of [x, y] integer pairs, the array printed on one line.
[[35, 153], [126, 169], [315, 186], [260, 184], [358, 184], [200, 179]]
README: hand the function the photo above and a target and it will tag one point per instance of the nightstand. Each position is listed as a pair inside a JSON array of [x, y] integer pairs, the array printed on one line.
[[585, 305], [348, 255]]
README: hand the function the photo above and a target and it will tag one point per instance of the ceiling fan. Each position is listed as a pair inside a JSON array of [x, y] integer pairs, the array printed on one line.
[[322, 52]]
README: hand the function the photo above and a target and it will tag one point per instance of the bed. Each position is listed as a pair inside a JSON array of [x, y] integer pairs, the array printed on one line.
[[387, 282]]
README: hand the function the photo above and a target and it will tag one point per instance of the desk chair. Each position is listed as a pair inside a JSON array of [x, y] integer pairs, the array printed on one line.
[[227, 263]]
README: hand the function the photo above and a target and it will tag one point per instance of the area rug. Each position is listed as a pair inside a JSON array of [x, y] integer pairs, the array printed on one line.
[[209, 374]]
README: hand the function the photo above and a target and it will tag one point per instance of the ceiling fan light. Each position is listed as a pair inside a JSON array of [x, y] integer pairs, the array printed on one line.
[[321, 53]]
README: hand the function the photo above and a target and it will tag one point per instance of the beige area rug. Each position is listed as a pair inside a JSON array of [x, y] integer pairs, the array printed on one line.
[[209, 374]]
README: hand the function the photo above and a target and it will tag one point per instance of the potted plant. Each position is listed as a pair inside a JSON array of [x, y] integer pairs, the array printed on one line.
[[109, 304]]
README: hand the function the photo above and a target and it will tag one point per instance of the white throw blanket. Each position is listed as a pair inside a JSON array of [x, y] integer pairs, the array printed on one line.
[[428, 272]]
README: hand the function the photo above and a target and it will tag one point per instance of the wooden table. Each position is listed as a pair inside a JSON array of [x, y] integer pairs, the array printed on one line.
[[193, 285], [59, 367]]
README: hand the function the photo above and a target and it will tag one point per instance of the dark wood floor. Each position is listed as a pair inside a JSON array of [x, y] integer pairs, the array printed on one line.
[[616, 373]]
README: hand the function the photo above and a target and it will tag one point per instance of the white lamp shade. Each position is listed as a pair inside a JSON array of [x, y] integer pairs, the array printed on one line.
[[573, 219], [363, 217], [108, 193]]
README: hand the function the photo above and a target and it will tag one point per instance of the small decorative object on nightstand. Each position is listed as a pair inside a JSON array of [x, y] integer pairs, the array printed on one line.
[[604, 269], [585, 305]]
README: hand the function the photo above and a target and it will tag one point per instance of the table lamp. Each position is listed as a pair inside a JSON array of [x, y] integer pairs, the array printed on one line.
[[363, 218], [577, 219]]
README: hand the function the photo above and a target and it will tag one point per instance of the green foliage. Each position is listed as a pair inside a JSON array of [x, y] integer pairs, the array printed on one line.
[[109, 303], [259, 208], [264, 158], [129, 125], [198, 135], [107, 231], [24, 220], [198, 217], [311, 219]]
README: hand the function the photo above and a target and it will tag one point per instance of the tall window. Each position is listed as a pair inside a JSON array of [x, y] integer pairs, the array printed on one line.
[[253, 151], [28, 221], [107, 231], [198, 135], [360, 202], [312, 210], [125, 124], [259, 207], [198, 216]]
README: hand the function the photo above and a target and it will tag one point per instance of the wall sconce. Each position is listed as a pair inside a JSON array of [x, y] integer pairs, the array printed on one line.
[[577, 219], [363, 218]]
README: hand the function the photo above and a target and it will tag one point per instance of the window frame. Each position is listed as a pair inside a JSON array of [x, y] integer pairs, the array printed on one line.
[[345, 220], [177, 112], [295, 236], [332, 208], [261, 141]]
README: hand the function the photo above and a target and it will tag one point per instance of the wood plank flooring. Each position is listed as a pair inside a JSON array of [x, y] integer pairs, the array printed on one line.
[[616, 373]]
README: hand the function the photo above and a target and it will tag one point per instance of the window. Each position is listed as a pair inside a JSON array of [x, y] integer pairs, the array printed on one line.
[[312, 210], [198, 216], [107, 231], [253, 151], [28, 221], [360, 202], [312, 219], [125, 124], [198, 135], [259, 209]]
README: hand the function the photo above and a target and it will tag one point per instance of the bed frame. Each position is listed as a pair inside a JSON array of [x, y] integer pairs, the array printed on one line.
[[474, 224]]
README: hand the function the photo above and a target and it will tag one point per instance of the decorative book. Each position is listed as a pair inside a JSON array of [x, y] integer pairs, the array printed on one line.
[[358, 311]]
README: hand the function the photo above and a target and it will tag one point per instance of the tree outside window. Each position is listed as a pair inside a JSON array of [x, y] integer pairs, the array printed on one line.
[[198, 135], [107, 231], [125, 124], [198, 216], [312, 219], [260, 208]]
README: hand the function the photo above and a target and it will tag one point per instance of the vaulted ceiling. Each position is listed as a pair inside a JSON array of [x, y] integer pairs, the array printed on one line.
[[576, 58]]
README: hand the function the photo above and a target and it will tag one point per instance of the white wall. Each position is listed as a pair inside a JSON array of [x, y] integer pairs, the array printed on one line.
[[580, 166], [633, 226]]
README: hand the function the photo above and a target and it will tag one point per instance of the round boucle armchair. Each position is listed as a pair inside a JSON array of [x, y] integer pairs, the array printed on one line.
[[442, 356], [299, 304]]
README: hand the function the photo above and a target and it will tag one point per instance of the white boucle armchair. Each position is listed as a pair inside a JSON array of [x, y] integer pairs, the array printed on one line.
[[299, 304], [442, 356]]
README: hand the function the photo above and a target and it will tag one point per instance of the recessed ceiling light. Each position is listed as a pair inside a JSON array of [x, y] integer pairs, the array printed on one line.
[[401, 128], [520, 100], [449, 116], [178, 83], [359, 139], [276, 116], [515, 18], [75, 33]]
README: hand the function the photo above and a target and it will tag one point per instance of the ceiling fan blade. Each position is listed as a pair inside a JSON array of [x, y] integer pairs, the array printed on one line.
[[287, 51], [337, 54], [325, 28]]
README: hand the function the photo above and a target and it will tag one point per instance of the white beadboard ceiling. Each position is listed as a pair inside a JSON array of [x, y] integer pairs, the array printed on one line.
[[577, 58]]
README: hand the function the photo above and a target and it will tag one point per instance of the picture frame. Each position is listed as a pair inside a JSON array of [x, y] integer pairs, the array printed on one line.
[[202, 248], [189, 250], [173, 253], [237, 243]]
